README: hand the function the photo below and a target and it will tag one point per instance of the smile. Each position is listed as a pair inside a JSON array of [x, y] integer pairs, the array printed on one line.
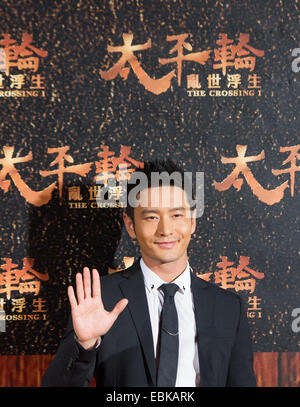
[[166, 245]]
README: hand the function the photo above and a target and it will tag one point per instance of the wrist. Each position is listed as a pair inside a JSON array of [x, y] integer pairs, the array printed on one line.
[[89, 344]]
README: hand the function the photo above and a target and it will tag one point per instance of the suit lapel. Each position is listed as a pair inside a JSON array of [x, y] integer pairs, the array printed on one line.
[[204, 301], [133, 288]]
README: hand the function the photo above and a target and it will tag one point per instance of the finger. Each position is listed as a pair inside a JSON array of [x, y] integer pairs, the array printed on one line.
[[79, 288], [87, 282], [72, 297], [96, 284], [119, 307]]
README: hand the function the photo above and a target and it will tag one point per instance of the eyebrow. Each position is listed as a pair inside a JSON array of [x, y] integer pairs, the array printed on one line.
[[146, 211]]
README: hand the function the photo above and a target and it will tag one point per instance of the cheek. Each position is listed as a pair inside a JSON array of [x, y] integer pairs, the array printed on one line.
[[146, 231], [184, 229]]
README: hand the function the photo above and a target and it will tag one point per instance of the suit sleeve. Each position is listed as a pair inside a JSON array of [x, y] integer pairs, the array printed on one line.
[[72, 364], [240, 372]]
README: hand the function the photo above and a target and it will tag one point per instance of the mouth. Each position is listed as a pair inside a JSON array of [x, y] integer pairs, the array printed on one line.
[[166, 245]]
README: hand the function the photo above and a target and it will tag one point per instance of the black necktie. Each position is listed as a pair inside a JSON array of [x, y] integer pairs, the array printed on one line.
[[169, 341]]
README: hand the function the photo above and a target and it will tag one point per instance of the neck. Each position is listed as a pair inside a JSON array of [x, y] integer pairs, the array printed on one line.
[[167, 271]]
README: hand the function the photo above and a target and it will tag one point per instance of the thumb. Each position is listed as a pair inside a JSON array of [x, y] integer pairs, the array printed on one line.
[[119, 307]]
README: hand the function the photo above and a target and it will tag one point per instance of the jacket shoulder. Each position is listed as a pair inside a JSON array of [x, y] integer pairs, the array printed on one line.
[[110, 280], [225, 295]]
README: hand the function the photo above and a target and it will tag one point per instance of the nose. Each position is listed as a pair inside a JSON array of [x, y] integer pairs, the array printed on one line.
[[165, 226]]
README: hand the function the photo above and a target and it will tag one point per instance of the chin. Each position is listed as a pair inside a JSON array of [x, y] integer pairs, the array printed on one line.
[[168, 259]]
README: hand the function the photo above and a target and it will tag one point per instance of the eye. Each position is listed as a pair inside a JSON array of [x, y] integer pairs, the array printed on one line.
[[151, 218], [178, 215]]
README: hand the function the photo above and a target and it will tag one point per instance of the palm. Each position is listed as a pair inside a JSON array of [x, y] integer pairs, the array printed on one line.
[[90, 319]]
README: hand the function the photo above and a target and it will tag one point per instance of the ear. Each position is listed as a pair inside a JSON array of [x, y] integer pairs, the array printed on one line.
[[129, 225]]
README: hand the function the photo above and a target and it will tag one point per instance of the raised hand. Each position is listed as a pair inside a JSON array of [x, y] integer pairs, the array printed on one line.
[[90, 319]]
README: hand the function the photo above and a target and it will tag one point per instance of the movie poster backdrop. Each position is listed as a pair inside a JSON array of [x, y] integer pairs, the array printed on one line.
[[90, 90]]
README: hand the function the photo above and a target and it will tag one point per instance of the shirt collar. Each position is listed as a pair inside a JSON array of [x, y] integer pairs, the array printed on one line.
[[153, 281]]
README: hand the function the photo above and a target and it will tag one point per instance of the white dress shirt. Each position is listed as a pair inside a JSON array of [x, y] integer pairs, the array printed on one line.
[[188, 362]]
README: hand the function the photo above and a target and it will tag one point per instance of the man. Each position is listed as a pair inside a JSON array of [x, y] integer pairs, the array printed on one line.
[[155, 323]]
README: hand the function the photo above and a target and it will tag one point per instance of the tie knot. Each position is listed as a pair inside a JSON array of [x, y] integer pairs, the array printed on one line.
[[170, 289]]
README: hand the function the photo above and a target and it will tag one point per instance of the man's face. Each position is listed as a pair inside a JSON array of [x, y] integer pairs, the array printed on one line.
[[162, 224]]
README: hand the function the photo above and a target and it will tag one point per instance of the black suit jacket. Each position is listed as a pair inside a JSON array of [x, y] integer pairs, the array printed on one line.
[[125, 356]]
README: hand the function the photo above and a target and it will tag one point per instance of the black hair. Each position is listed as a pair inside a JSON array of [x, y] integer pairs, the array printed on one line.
[[162, 166]]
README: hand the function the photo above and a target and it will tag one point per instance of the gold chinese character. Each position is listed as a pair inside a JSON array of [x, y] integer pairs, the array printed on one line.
[[233, 80], [254, 303], [235, 55], [94, 192], [74, 194], [17, 81], [213, 81], [199, 57], [18, 304], [22, 281], [127, 50], [269, 197], [227, 275], [37, 82], [80, 169], [115, 167], [293, 156], [193, 81], [254, 81], [38, 305], [20, 56], [36, 198]]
